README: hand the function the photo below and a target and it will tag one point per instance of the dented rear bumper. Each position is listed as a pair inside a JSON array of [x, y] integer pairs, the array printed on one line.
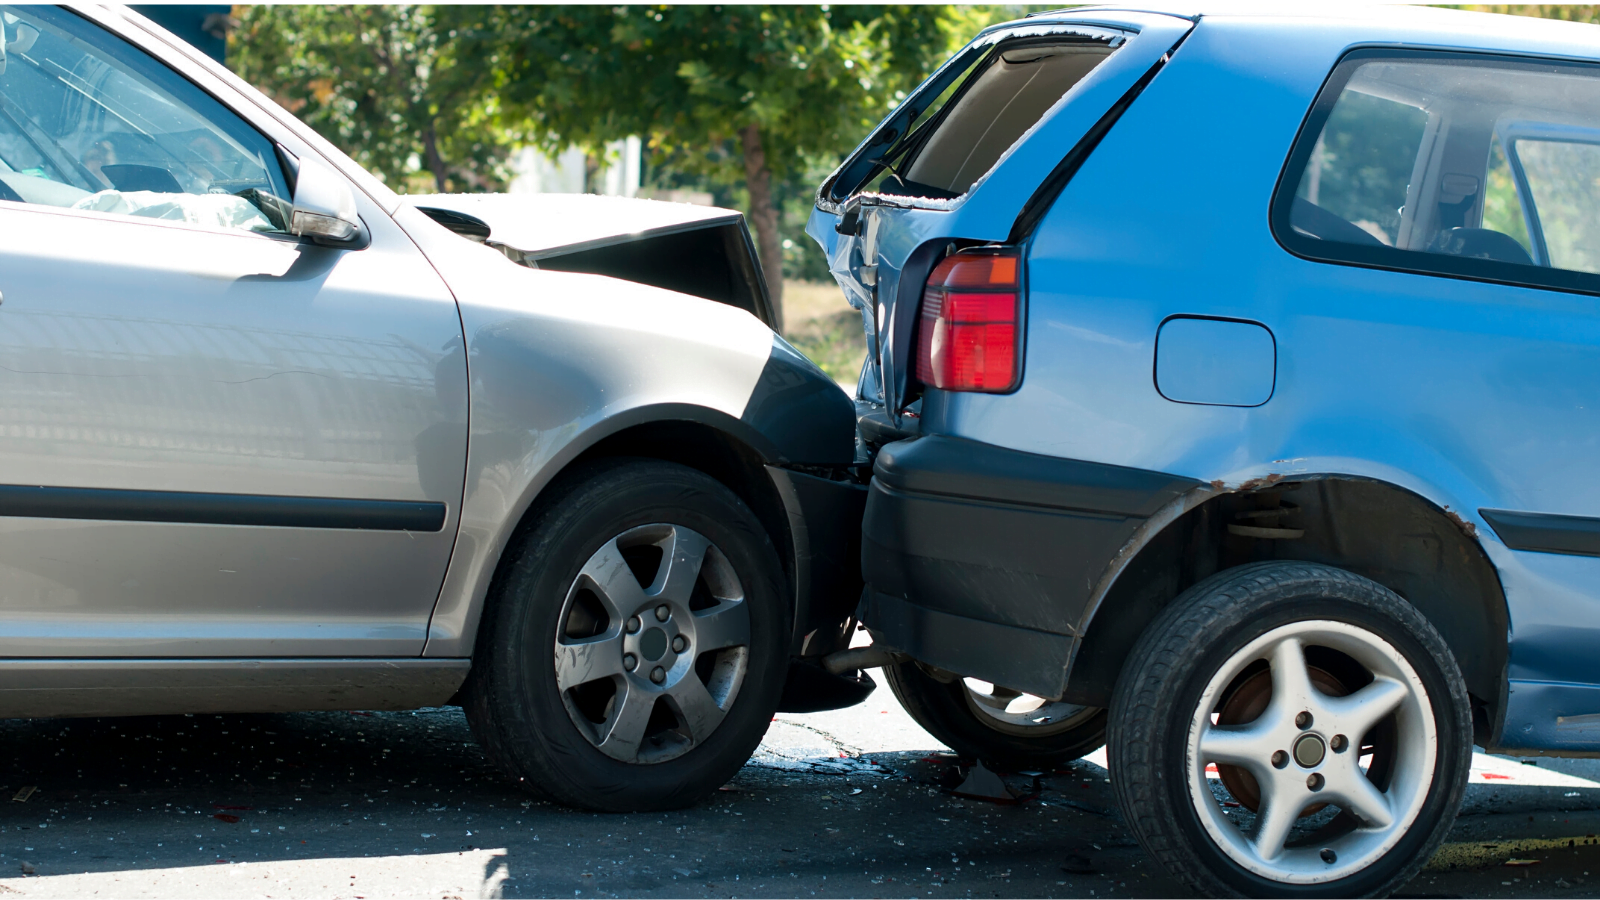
[[980, 559]]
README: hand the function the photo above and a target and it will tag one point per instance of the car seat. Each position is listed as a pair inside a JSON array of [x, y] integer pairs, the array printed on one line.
[[1481, 243]]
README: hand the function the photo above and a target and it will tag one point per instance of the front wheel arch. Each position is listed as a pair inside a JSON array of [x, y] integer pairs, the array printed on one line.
[[694, 437]]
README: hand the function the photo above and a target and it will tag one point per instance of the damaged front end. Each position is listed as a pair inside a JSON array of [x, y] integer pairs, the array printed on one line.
[[801, 414], [702, 251]]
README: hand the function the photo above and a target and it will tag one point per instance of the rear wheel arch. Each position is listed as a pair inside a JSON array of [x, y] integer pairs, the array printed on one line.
[[1391, 535]]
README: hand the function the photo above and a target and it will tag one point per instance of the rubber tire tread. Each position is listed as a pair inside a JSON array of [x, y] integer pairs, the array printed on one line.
[[530, 739], [1166, 657], [943, 712]]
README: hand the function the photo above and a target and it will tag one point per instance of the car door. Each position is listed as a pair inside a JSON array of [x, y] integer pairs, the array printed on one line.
[[973, 157], [215, 439]]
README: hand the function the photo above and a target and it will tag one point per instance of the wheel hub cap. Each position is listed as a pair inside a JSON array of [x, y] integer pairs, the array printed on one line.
[[653, 644], [649, 694], [1309, 750]]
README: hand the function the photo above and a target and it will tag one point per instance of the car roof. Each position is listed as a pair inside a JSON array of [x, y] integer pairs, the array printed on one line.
[[1421, 24]]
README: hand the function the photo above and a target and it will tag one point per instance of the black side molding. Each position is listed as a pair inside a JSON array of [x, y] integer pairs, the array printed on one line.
[[1545, 533], [31, 502]]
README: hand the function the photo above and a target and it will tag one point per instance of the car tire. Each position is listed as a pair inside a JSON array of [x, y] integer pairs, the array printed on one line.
[[633, 651], [974, 721], [1268, 649]]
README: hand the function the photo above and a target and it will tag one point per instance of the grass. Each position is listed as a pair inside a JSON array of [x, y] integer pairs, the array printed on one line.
[[820, 324]]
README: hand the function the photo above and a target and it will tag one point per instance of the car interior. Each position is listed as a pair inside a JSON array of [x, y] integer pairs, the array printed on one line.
[[982, 113], [1463, 159], [89, 124]]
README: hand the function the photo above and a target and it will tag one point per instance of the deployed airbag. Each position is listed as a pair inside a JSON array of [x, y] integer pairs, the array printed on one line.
[[211, 210]]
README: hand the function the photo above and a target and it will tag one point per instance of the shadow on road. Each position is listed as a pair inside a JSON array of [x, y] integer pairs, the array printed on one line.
[[404, 804]]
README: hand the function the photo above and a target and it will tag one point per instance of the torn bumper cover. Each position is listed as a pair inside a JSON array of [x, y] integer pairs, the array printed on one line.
[[980, 559], [825, 528]]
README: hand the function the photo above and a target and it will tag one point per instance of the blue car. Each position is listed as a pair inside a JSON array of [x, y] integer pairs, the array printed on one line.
[[1233, 400]]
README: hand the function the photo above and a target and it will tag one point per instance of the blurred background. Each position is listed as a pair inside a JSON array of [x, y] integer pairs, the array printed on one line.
[[745, 107]]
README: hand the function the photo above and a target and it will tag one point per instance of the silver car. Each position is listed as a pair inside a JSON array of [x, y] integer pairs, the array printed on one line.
[[274, 438]]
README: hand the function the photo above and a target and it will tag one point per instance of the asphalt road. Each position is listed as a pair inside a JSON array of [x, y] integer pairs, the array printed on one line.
[[853, 803]]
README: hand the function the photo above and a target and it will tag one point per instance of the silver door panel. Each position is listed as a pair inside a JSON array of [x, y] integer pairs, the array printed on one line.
[[88, 588], [162, 357]]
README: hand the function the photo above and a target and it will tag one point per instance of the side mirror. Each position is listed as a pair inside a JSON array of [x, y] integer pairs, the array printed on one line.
[[324, 206]]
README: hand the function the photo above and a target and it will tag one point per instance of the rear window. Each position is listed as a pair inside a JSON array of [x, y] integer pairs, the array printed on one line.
[[1451, 164], [965, 118]]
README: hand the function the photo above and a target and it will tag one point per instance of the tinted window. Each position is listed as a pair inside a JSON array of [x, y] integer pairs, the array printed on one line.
[[1361, 165], [1001, 102], [1563, 179], [960, 122], [1451, 164], [90, 122]]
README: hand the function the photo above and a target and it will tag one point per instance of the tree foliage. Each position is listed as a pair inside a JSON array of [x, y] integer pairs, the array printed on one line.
[[386, 84], [758, 95], [1571, 12], [811, 78], [759, 89]]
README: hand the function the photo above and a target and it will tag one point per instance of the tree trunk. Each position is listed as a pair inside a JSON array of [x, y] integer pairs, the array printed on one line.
[[430, 148], [764, 217]]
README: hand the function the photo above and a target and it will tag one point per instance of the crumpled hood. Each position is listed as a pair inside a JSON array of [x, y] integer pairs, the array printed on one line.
[[541, 225]]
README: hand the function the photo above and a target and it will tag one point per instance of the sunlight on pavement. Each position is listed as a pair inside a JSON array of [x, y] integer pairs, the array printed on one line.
[[468, 873], [1488, 769]]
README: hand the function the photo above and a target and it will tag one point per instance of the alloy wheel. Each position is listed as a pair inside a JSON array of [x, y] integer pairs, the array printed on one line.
[[1024, 715], [654, 643], [1319, 814]]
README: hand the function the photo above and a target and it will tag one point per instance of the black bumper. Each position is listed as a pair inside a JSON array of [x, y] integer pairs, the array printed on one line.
[[981, 560], [825, 528]]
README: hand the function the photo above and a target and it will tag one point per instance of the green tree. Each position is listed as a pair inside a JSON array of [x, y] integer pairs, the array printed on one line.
[[762, 97], [386, 84], [1573, 12], [756, 89]]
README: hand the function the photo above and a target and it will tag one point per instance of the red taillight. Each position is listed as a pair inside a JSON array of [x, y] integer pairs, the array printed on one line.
[[971, 313]]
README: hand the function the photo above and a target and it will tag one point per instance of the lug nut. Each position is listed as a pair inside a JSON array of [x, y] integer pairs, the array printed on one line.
[[663, 612], [1339, 743], [1329, 857], [679, 644], [1279, 759], [630, 662], [658, 674], [634, 625], [1302, 721], [1314, 781]]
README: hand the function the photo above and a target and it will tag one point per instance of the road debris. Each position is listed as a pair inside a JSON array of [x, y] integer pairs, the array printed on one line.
[[982, 784]]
